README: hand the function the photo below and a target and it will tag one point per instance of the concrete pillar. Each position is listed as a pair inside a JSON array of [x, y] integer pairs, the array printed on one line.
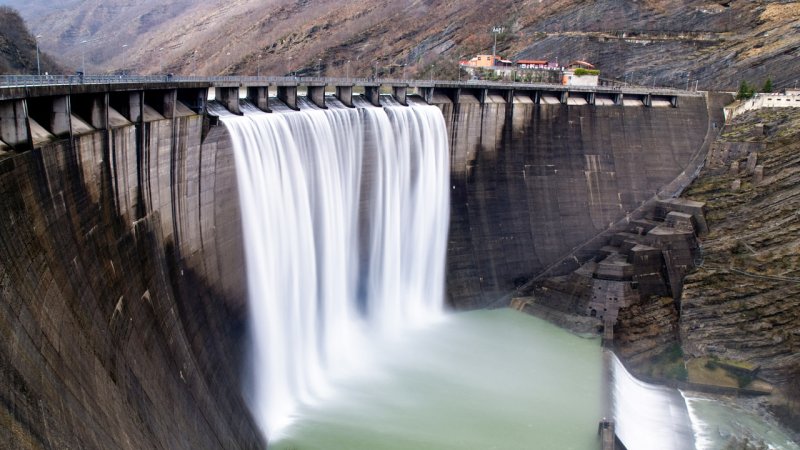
[[345, 95], [373, 94], [758, 175], [752, 160], [259, 96], [736, 185], [590, 98], [288, 95], [564, 97], [482, 94], [399, 93], [169, 99], [509, 97], [13, 124], [426, 93], [98, 117], [618, 99], [135, 104], [647, 100], [59, 116], [537, 97], [317, 95], [674, 101], [229, 97], [734, 170], [607, 434]]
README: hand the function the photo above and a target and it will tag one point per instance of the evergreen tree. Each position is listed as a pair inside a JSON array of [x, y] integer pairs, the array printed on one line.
[[745, 91], [767, 86]]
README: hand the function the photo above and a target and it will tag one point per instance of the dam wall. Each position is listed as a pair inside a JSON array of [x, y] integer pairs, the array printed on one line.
[[121, 257], [531, 182], [119, 266]]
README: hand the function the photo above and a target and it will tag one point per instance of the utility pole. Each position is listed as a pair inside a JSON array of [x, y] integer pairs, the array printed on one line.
[[258, 67], [347, 70], [319, 67], [495, 32], [38, 66]]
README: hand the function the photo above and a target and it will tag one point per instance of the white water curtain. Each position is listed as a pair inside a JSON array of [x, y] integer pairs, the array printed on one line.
[[345, 215]]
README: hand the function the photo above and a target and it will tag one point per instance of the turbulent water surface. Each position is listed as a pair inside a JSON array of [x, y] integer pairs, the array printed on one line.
[[479, 380]]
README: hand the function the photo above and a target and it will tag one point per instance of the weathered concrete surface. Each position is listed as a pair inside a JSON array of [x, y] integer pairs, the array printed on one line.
[[532, 183], [116, 329]]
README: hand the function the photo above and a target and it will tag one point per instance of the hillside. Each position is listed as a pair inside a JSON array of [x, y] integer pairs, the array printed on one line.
[[18, 47], [673, 42], [743, 303]]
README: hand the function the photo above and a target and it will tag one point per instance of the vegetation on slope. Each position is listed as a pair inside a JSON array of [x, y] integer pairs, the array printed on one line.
[[18, 46]]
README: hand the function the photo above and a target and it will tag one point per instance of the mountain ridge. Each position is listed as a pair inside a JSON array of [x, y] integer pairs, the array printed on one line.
[[713, 45]]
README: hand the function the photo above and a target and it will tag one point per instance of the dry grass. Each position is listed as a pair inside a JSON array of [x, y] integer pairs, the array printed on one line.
[[699, 373]]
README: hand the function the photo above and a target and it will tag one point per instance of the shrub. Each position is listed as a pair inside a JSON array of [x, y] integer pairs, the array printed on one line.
[[579, 72]]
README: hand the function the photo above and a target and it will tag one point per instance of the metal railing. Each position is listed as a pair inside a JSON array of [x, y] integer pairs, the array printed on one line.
[[10, 81]]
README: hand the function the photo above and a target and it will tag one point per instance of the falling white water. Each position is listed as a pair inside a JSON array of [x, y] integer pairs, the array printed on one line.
[[345, 215], [648, 416]]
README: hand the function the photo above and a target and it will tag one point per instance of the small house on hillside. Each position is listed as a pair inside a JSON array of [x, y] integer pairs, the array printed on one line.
[[578, 64], [581, 73]]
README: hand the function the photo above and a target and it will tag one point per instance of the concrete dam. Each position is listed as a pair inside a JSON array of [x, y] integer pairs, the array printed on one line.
[[123, 278]]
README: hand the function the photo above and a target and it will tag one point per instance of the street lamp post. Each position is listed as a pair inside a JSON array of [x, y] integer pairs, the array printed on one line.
[[83, 56], [319, 67], [124, 58], [495, 32], [38, 66], [376, 70], [347, 69], [258, 67]]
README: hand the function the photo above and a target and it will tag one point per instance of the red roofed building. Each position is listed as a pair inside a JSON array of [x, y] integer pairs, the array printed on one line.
[[577, 64]]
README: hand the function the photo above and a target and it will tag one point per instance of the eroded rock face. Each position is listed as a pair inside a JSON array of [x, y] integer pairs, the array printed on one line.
[[744, 302]]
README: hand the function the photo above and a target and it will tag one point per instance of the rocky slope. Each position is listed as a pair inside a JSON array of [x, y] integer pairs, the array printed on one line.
[[743, 304], [673, 42], [18, 47]]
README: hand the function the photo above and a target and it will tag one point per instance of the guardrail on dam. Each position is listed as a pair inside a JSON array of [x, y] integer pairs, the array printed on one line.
[[121, 261]]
